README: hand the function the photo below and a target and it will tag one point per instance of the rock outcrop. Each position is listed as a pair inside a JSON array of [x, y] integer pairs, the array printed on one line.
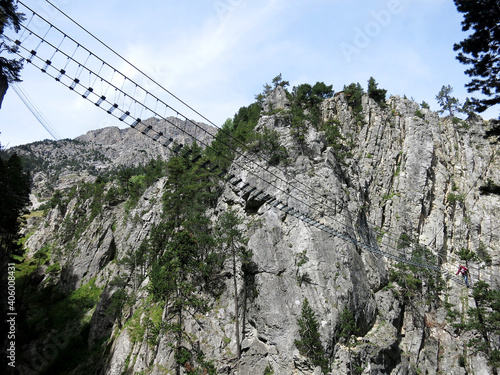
[[400, 180]]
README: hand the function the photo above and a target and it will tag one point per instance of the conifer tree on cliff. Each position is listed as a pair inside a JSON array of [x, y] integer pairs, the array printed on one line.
[[9, 68], [481, 49], [15, 186]]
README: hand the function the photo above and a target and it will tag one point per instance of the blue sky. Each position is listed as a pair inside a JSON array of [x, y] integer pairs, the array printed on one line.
[[216, 54]]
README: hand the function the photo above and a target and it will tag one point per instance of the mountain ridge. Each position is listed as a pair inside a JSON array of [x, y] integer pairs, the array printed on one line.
[[57, 165]]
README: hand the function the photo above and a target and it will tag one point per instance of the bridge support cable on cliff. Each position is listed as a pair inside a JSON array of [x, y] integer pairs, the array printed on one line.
[[77, 68], [34, 110]]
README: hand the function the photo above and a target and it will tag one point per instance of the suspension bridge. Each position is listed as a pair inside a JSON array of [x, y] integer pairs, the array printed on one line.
[[57, 54]]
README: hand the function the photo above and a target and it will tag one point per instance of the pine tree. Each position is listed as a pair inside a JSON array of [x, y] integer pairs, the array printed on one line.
[[233, 243], [278, 81], [446, 101], [181, 247], [9, 68], [173, 282], [347, 330], [15, 186], [354, 94], [425, 105], [481, 49], [375, 93], [305, 109], [310, 344], [189, 191], [485, 320]]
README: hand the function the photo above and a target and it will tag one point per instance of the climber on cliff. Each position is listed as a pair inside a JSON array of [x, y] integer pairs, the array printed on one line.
[[464, 272]]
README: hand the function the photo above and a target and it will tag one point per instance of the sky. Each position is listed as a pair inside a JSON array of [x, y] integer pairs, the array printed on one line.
[[216, 55]]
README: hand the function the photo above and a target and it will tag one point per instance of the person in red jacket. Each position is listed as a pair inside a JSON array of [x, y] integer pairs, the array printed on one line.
[[464, 272]]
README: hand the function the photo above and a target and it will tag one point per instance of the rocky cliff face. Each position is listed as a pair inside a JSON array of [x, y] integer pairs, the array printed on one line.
[[398, 179]]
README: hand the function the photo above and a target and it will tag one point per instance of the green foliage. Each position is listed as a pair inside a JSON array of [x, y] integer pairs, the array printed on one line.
[[233, 245], [335, 139], [404, 240], [310, 344], [479, 49], [347, 324], [135, 263], [76, 352], [299, 127], [46, 308], [244, 122], [333, 135], [375, 93], [277, 81], [446, 101], [77, 302], [268, 143], [189, 191], [453, 198], [10, 69], [482, 254], [485, 320], [462, 361], [119, 299], [172, 272], [305, 109], [419, 114], [412, 278], [133, 182], [113, 197], [43, 255], [301, 258], [194, 362], [15, 187], [234, 134], [154, 324], [54, 269], [322, 91], [425, 105], [181, 247], [466, 254], [134, 326], [230, 237], [490, 188], [468, 107], [354, 94], [269, 370], [55, 200], [409, 282]]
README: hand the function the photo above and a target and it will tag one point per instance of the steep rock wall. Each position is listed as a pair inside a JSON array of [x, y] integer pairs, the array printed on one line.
[[400, 172]]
